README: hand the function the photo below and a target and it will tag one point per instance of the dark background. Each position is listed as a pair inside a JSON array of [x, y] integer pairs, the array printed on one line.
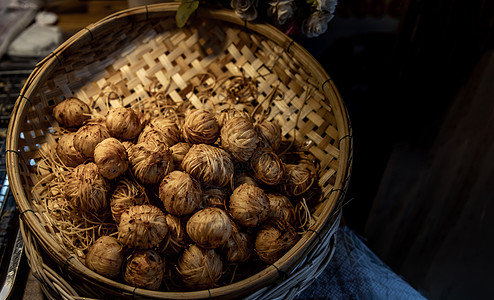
[[417, 78]]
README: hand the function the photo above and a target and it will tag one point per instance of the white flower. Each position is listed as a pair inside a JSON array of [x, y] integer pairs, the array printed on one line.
[[245, 9], [316, 24], [283, 9], [327, 5]]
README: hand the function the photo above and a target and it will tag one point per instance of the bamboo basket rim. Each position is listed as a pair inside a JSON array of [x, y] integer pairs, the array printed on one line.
[[270, 274]]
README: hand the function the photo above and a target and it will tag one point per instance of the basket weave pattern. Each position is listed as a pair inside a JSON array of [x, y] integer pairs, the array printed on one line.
[[138, 49]]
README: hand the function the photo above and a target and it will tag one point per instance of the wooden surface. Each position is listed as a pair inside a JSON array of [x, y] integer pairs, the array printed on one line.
[[75, 15]]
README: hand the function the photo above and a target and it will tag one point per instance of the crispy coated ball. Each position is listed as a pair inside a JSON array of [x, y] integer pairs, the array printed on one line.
[[200, 268], [210, 227], [180, 193], [249, 205], [88, 136], [274, 239], [200, 127], [150, 162], [126, 194], [269, 134], [142, 227], [239, 137], [123, 123], [86, 189], [298, 179], [161, 130], [66, 151], [267, 167], [145, 269], [106, 257], [209, 164], [111, 158], [281, 208], [231, 113], [71, 112]]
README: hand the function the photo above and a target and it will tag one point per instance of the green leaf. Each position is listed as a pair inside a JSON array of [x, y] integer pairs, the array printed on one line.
[[185, 10], [312, 3]]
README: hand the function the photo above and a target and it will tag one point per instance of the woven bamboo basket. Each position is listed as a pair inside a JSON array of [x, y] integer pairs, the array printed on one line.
[[139, 47]]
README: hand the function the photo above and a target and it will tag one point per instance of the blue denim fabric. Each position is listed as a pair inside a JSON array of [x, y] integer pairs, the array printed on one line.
[[355, 272]]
